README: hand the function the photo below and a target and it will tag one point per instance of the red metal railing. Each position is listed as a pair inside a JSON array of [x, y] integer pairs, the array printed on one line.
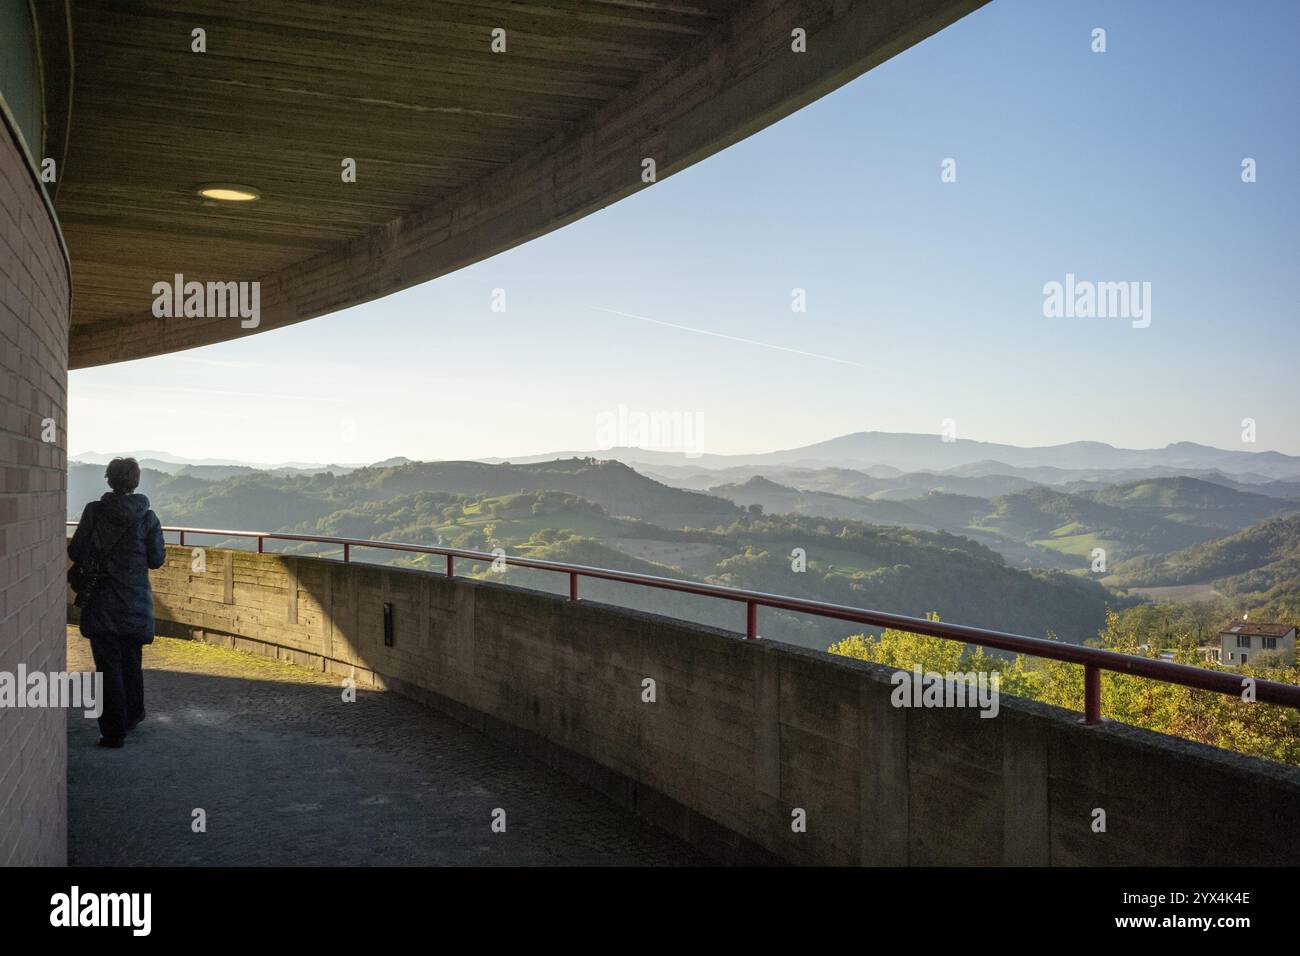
[[1094, 659]]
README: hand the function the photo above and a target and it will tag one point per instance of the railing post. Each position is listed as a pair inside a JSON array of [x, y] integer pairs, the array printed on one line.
[[451, 567], [260, 542], [751, 621], [182, 537], [1091, 694], [347, 552], [573, 585]]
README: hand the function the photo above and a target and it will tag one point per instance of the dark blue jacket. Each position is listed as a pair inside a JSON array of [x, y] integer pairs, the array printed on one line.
[[122, 604]]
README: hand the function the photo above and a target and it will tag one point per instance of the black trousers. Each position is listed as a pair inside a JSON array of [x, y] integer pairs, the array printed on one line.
[[118, 659]]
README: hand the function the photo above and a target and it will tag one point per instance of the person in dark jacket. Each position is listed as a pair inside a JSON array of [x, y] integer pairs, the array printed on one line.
[[118, 615]]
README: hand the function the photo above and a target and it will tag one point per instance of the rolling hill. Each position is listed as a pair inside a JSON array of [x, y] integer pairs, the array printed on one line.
[[1255, 570], [606, 514], [1193, 501], [1044, 527], [618, 489], [1267, 554], [273, 501]]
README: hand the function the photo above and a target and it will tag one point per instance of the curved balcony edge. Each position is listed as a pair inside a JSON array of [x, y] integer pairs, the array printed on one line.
[[733, 742]]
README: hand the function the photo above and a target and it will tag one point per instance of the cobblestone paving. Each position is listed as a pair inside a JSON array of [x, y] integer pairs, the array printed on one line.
[[289, 774]]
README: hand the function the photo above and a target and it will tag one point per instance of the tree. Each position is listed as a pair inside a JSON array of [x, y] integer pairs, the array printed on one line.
[[1221, 720]]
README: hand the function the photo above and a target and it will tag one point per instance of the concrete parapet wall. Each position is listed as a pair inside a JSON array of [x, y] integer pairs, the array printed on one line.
[[744, 733]]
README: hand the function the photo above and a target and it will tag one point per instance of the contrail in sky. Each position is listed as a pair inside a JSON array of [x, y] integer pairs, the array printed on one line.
[[736, 338]]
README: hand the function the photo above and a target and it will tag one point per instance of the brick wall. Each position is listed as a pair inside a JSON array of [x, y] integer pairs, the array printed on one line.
[[34, 308], [745, 732]]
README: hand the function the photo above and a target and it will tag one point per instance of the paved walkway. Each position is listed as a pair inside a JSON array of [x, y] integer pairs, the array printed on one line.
[[289, 774]]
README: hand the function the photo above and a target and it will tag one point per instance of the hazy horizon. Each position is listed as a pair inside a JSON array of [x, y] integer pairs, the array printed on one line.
[[706, 451], [904, 459]]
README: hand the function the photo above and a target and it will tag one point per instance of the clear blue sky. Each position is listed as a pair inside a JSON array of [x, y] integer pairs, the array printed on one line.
[[1117, 166]]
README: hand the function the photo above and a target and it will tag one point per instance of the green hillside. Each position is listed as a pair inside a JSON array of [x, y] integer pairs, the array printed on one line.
[[775, 498], [1258, 569], [1041, 527], [892, 569], [614, 486], [1191, 500], [86, 483], [606, 514]]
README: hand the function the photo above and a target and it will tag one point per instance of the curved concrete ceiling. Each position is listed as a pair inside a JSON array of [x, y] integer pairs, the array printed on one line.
[[460, 152]]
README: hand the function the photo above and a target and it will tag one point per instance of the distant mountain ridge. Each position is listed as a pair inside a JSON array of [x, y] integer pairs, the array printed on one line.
[[217, 468], [911, 452], [880, 455]]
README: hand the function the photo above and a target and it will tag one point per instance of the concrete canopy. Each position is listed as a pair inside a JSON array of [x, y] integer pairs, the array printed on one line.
[[461, 152]]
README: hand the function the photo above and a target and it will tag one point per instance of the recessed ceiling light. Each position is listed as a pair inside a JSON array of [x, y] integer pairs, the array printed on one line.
[[228, 192]]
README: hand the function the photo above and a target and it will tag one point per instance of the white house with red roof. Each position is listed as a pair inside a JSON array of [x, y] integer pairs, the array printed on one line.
[[1248, 642]]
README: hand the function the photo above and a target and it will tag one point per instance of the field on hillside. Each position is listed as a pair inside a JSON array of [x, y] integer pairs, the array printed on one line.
[[1180, 594]]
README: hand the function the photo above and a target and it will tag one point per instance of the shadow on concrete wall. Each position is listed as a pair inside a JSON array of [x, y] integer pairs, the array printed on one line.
[[750, 751]]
